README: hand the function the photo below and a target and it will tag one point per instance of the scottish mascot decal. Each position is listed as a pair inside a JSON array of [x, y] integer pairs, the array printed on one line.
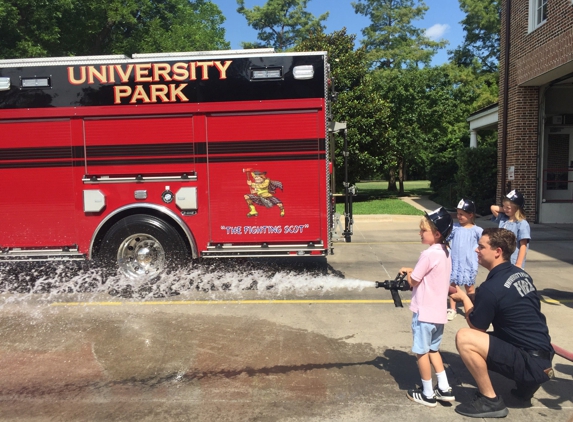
[[262, 192]]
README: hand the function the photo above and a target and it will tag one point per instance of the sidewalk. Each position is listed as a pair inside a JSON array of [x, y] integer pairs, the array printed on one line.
[[421, 202]]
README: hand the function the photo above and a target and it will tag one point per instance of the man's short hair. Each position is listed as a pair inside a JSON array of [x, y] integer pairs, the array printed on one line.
[[503, 239]]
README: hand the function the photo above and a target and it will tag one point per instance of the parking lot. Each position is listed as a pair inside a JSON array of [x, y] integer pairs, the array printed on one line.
[[339, 353]]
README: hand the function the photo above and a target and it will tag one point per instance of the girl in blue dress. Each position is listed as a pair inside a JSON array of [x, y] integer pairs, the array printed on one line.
[[511, 216], [463, 242]]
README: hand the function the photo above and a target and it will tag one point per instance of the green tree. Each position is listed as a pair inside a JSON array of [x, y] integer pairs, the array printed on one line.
[[428, 108], [358, 103], [171, 25], [454, 174], [451, 174], [476, 177], [35, 28], [348, 66], [391, 40], [481, 87], [281, 23], [482, 27], [29, 28], [366, 112]]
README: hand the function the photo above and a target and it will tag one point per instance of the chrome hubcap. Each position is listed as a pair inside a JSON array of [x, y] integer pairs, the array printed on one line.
[[141, 256]]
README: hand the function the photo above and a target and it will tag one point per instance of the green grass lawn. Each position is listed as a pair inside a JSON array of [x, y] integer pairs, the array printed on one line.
[[373, 197]]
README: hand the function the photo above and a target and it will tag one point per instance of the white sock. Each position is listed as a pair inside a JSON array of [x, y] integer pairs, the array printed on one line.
[[427, 388], [443, 383]]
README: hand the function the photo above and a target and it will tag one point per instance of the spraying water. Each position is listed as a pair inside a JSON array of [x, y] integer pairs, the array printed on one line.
[[218, 279]]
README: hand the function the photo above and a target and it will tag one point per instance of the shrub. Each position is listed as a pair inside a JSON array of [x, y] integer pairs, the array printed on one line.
[[476, 177], [442, 176]]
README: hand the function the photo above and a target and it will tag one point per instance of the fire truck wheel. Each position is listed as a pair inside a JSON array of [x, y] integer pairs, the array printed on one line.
[[141, 246]]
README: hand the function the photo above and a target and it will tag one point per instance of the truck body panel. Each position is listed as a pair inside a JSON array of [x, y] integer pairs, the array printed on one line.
[[229, 148]]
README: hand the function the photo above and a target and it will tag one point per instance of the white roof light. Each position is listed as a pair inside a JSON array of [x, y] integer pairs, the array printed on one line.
[[4, 83], [303, 72]]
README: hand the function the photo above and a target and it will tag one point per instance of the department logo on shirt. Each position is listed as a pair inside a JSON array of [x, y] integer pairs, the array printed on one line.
[[522, 282]]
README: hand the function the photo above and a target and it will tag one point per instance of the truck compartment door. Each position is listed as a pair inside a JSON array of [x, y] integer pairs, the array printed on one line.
[[267, 177]]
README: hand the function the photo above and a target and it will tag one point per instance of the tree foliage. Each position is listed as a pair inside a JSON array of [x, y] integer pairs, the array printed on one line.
[[482, 28], [29, 28], [281, 23], [358, 103], [471, 172], [391, 40], [36, 28], [348, 66], [449, 172], [399, 115], [476, 177], [428, 108]]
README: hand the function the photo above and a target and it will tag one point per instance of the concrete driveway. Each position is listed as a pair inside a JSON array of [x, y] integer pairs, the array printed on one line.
[[340, 352]]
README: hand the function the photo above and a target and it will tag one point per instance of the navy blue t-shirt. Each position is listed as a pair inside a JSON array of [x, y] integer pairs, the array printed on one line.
[[508, 300]]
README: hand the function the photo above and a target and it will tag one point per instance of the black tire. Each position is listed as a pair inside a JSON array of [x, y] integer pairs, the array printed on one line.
[[142, 246]]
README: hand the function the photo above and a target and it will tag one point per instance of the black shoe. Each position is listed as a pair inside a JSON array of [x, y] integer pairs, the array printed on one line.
[[483, 407], [419, 397], [444, 395], [524, 393]]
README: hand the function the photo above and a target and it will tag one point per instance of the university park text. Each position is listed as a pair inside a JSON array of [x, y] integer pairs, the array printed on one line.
[[147, 73]]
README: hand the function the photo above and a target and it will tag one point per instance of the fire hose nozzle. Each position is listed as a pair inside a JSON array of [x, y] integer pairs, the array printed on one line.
[[398, 284]]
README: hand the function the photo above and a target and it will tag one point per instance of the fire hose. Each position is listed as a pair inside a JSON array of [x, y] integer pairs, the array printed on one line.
[[562, 352]]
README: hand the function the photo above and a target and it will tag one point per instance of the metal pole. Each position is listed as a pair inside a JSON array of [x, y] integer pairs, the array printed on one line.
[[348, 192], [505, 114]]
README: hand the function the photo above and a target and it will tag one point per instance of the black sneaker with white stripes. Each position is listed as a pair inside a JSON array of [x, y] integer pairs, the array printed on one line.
[[419, 397], [444, 395]]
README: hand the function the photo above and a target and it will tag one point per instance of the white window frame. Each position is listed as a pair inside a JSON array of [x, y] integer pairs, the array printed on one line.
[[535, 7]]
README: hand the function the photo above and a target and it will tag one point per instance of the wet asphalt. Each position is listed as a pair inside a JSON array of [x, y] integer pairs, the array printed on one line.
[[211, 351]]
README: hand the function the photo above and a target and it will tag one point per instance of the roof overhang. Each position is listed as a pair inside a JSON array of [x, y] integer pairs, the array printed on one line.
[[550, 76], [485, 119]]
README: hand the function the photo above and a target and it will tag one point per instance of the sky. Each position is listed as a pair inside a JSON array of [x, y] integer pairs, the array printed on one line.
[[442, 21]]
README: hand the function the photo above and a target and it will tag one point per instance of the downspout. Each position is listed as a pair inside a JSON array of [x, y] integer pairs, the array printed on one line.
[[540, 150], [505, 98]]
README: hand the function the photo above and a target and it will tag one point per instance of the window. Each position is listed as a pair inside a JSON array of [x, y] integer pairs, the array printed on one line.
[[558, 165], [537, 13], [540, 12], [557, 162]]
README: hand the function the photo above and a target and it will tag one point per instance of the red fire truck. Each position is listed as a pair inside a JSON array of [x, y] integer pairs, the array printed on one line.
[[153, 158]]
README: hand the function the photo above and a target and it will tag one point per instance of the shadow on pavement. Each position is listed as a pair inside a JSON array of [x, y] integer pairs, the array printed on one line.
[[564, 298]]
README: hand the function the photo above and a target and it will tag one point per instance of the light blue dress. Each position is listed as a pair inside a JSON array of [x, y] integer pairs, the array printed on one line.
[[463, 244], [520, 229]]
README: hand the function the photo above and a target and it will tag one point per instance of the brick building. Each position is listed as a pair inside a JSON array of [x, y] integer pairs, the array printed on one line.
[[535, 120]]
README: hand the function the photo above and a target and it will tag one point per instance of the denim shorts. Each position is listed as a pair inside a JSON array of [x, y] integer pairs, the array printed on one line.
[[427, 336]]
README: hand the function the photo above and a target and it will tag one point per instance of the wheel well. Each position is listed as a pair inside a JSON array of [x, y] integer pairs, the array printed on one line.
[[191, 248]]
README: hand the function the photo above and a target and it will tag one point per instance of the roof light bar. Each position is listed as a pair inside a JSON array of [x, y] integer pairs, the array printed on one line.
[[35, 82], [268, 73]]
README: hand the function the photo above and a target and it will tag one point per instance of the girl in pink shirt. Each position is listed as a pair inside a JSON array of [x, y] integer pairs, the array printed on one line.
[[430, 281]]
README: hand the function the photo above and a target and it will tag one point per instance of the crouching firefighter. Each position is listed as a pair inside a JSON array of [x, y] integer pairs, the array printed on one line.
[[519, 347]]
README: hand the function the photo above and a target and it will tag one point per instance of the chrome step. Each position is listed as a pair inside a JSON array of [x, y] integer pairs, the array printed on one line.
[[55, 254], [264, 250]]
